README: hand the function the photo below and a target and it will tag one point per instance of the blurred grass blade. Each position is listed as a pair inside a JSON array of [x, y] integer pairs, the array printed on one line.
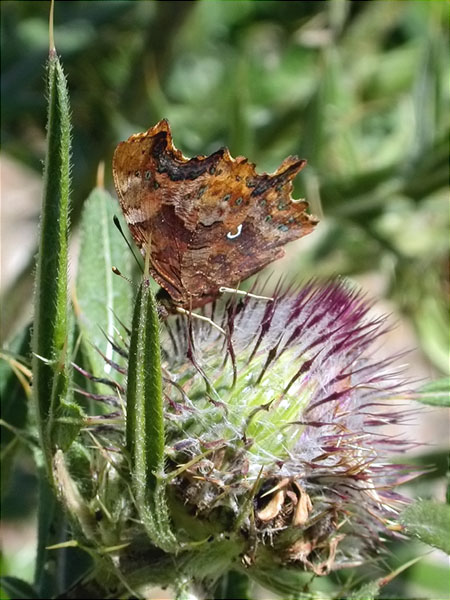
[[429, 522], [15, 390], [145, 420], [436, 393], [17, 588], [50, 333], [371, 590], [102, 298]]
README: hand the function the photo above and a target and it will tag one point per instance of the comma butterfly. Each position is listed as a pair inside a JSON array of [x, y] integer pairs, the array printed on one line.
[[208, 221]]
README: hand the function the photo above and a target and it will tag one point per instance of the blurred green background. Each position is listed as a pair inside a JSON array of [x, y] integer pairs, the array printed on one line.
[[359, 89]]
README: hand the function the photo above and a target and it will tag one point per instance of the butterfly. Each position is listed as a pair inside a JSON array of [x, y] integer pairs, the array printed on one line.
[[207, 222]]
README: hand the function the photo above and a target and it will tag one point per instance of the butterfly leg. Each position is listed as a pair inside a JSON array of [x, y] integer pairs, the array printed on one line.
[[243, 293], [183, 311]]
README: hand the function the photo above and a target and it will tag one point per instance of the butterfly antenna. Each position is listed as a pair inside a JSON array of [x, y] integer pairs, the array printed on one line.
[[116, 271], [190, 314], [119, 227]]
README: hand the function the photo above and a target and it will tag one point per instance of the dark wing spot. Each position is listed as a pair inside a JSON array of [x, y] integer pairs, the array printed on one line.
[[176, 169], [262, 185]]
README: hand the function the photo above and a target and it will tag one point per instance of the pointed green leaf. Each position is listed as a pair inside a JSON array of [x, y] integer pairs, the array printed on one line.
[[50, 332], [233, 584], [145, 426], [286, 582], [145, 420], [102, 298], [430, 522], [368, 591], [68, 419]]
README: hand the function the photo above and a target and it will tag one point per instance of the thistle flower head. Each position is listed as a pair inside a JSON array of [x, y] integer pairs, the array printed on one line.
[[286, 412], [274, 442]]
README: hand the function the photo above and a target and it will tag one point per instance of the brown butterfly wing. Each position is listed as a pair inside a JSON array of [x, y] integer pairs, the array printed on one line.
[[208, 221], [155, 204], [244, 227]]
